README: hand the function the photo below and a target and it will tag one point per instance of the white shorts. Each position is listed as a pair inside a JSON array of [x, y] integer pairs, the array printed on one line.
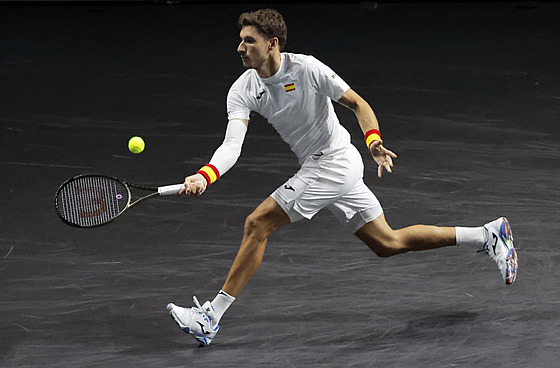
[[333, 180]]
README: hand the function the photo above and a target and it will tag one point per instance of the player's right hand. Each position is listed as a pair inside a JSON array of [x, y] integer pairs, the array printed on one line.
[[195, 185]]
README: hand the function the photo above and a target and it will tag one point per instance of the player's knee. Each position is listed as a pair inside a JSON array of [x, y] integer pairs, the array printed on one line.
[[386, 251], [264, 220], [255, 226], [386, 247]]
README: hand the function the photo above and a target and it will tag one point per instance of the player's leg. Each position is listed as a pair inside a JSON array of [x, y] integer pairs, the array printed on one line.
[[360, 210], [266, 218], [202, 321], [386, 242], [495, 238]]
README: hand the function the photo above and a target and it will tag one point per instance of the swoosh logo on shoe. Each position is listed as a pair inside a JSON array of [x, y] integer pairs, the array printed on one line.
[[203, 329]]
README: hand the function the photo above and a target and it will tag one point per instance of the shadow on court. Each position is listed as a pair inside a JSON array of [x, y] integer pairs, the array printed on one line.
[[467, 95]]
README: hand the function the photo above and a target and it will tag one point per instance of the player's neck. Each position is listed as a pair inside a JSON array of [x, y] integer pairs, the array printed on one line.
[[271, 65]]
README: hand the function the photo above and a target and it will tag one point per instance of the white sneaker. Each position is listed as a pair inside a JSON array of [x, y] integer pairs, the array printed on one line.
[[196, 321], [499, 247]]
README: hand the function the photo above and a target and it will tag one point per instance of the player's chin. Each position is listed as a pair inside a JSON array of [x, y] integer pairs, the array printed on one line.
[[246, 62]]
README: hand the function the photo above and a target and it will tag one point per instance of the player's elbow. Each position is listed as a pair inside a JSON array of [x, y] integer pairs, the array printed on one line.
[[234, 149], [353, 101], [361, 106]]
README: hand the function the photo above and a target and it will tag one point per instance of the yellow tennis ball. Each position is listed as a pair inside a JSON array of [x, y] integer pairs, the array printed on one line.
[[136, 145]]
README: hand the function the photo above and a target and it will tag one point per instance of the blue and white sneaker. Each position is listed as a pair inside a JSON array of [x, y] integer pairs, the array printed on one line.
[[499, 247], [197, 321]]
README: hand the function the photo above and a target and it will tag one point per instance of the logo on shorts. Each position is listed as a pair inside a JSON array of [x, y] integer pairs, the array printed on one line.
[[286, 186]]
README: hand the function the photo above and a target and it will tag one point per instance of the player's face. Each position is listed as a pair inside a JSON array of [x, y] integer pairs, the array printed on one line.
[[254, 48]]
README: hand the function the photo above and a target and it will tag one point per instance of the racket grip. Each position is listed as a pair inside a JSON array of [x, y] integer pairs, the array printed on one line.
[[170, 189]]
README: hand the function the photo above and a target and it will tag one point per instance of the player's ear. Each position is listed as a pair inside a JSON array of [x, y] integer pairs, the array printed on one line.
[[272, 43]]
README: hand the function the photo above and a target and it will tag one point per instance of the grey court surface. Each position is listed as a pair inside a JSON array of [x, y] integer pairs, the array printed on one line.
[[467, 95]]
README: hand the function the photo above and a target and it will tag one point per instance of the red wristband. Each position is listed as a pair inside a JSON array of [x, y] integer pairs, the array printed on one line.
[[210, 173], [372, 136]]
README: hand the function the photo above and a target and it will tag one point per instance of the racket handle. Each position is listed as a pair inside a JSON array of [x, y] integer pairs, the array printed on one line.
[[170, 189]]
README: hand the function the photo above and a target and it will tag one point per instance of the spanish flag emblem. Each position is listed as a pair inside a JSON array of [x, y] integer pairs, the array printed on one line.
[[289, 87]]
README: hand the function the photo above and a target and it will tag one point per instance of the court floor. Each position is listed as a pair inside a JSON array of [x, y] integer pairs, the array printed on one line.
[[467, 95]]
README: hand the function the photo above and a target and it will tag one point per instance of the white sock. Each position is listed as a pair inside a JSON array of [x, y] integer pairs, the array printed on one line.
[[472, 236], [221, 303]]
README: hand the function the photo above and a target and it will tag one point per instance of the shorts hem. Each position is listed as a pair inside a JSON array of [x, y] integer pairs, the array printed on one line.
[[290, 212], [360, 219]]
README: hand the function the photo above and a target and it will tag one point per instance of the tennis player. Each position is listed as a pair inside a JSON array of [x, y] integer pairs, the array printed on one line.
[[294, 93]]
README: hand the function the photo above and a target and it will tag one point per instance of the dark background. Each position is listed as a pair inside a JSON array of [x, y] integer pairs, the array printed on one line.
[[468, 96]]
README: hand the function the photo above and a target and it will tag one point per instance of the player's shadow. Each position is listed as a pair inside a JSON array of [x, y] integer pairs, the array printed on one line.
[[432, 327], [439, 322]]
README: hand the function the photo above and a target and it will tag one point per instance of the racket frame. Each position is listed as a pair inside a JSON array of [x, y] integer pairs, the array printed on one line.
[[124, 183]]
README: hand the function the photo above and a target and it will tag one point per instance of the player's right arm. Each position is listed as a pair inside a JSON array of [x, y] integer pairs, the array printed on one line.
[[223, 159]]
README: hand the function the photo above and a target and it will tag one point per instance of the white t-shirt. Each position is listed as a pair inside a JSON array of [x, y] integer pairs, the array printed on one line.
[[296, 101]]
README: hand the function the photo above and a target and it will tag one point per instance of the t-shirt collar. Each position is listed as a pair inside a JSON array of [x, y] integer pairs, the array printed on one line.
[[277, 75]]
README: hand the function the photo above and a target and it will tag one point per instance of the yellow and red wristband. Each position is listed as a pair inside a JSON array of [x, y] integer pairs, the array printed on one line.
[[210, 173], [372, 136]]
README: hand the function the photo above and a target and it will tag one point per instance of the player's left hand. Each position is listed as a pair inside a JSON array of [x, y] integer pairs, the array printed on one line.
[[382, 156]]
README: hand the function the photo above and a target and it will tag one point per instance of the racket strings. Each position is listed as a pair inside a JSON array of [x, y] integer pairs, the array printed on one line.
[[93, 200]]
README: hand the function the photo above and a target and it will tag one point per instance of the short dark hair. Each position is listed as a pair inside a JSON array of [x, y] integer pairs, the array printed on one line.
[[268, 22]]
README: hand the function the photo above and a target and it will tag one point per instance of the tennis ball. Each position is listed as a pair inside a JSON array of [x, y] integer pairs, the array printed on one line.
[[136, 145]]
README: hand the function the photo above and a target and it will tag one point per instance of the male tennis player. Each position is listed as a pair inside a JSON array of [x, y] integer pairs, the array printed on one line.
[[294, 92]]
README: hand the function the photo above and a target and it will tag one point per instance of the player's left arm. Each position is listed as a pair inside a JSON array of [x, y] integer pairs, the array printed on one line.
[[368, 121]]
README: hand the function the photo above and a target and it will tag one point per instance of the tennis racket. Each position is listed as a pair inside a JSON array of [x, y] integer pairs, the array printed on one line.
[[91, 200]]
